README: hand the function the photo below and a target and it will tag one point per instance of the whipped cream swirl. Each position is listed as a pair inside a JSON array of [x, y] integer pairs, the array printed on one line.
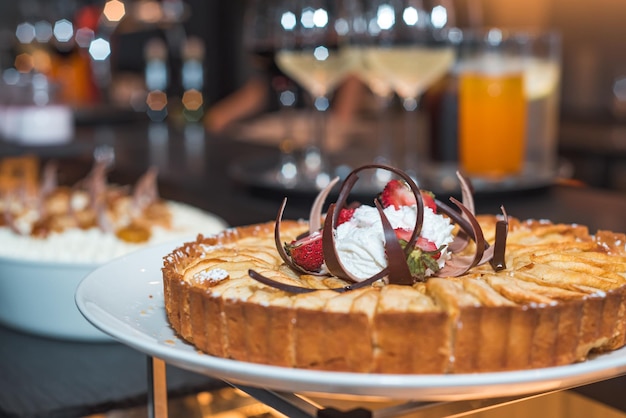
[[360, 241]]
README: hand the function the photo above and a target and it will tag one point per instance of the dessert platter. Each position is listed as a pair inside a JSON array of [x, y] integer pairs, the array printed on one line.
[[54, 235], [404, 299]]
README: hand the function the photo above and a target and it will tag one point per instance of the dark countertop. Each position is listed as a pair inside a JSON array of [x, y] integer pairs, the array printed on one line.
[[44, 377]]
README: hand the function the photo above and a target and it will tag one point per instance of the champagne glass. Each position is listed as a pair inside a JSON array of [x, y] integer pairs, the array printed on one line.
[[377, 82], [260, 37], [310, 53], [410, 47]]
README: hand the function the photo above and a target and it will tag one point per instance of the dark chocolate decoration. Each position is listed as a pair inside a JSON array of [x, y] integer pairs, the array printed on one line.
[[353, 177], [299, 289], [467, 192], [460, 265], [277, 240], [456, 216], [502, 230], [281, 249], [477, 232], [459, 243], [399, 272], [279, 285], [331, 256], [315, 215], [461, 240]]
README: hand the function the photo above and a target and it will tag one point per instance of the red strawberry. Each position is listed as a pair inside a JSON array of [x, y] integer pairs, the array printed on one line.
[[422, 243], [423, 257], [429, 200], [397, 193], [307, 252], [428, 247], [403, 234], [345, 215]]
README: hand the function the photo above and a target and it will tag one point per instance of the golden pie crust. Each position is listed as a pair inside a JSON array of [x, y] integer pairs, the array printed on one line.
[[560, 299]]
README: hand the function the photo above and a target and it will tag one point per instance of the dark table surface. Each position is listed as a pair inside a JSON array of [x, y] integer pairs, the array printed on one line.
[[41, 377]]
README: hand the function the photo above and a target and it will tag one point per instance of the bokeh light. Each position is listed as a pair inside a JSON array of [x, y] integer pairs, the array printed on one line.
[[43, 31], [11, 76], [25, 32], [63, 30], [100, 49], [288, 21], [192, 99], [24, 63], [42, 61], [149, 11], [84, 37], [114, 10], [156, 100]]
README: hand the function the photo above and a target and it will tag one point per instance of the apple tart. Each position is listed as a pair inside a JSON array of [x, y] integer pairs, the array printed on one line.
[[475, 293]]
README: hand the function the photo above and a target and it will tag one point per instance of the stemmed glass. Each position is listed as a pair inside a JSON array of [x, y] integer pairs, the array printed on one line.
[[261, 40], [312, 33], [409, 46], [360, 41]]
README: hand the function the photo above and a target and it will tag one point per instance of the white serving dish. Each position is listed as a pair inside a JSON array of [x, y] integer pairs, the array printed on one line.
[[38, 297]]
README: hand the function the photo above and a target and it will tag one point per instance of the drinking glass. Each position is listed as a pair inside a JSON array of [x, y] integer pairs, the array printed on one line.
[[376, 81], [409, 46], [312, 33], [508, 102], [542, 70], [261, 40]]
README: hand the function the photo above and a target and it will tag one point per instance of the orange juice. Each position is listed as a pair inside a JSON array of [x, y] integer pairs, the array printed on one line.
[[492, 123]]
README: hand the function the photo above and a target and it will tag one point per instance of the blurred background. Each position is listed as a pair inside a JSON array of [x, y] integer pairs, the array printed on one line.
[[172, 59]]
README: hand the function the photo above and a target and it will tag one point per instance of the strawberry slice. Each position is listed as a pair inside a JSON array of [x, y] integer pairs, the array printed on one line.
[[423, 258], [345, 215], [403, 234], [429, 200], [426, 245], [307, 252], [397, 193]]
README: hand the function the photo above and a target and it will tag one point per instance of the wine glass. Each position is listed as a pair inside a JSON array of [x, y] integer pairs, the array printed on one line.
[[378, 84], [260, 39], [312, 33], [409, 46]]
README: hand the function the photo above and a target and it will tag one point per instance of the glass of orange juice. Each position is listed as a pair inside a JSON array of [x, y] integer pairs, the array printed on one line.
[[492, 104]]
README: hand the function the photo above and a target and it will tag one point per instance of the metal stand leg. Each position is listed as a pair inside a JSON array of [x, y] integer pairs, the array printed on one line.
[[295, 406], [157, 388]]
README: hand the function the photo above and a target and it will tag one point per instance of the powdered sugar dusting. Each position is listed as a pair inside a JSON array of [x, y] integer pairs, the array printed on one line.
[[210, 276]]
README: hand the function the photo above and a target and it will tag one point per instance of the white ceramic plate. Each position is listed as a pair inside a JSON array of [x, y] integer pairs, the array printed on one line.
[[124, 298]]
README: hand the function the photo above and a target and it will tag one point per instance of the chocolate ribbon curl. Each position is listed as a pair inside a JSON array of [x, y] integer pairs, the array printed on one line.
[[279, 244], [397, 271], [331, 257], [329, 247], [467, 197], [315, 216], [498, 256], [459, 265]]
